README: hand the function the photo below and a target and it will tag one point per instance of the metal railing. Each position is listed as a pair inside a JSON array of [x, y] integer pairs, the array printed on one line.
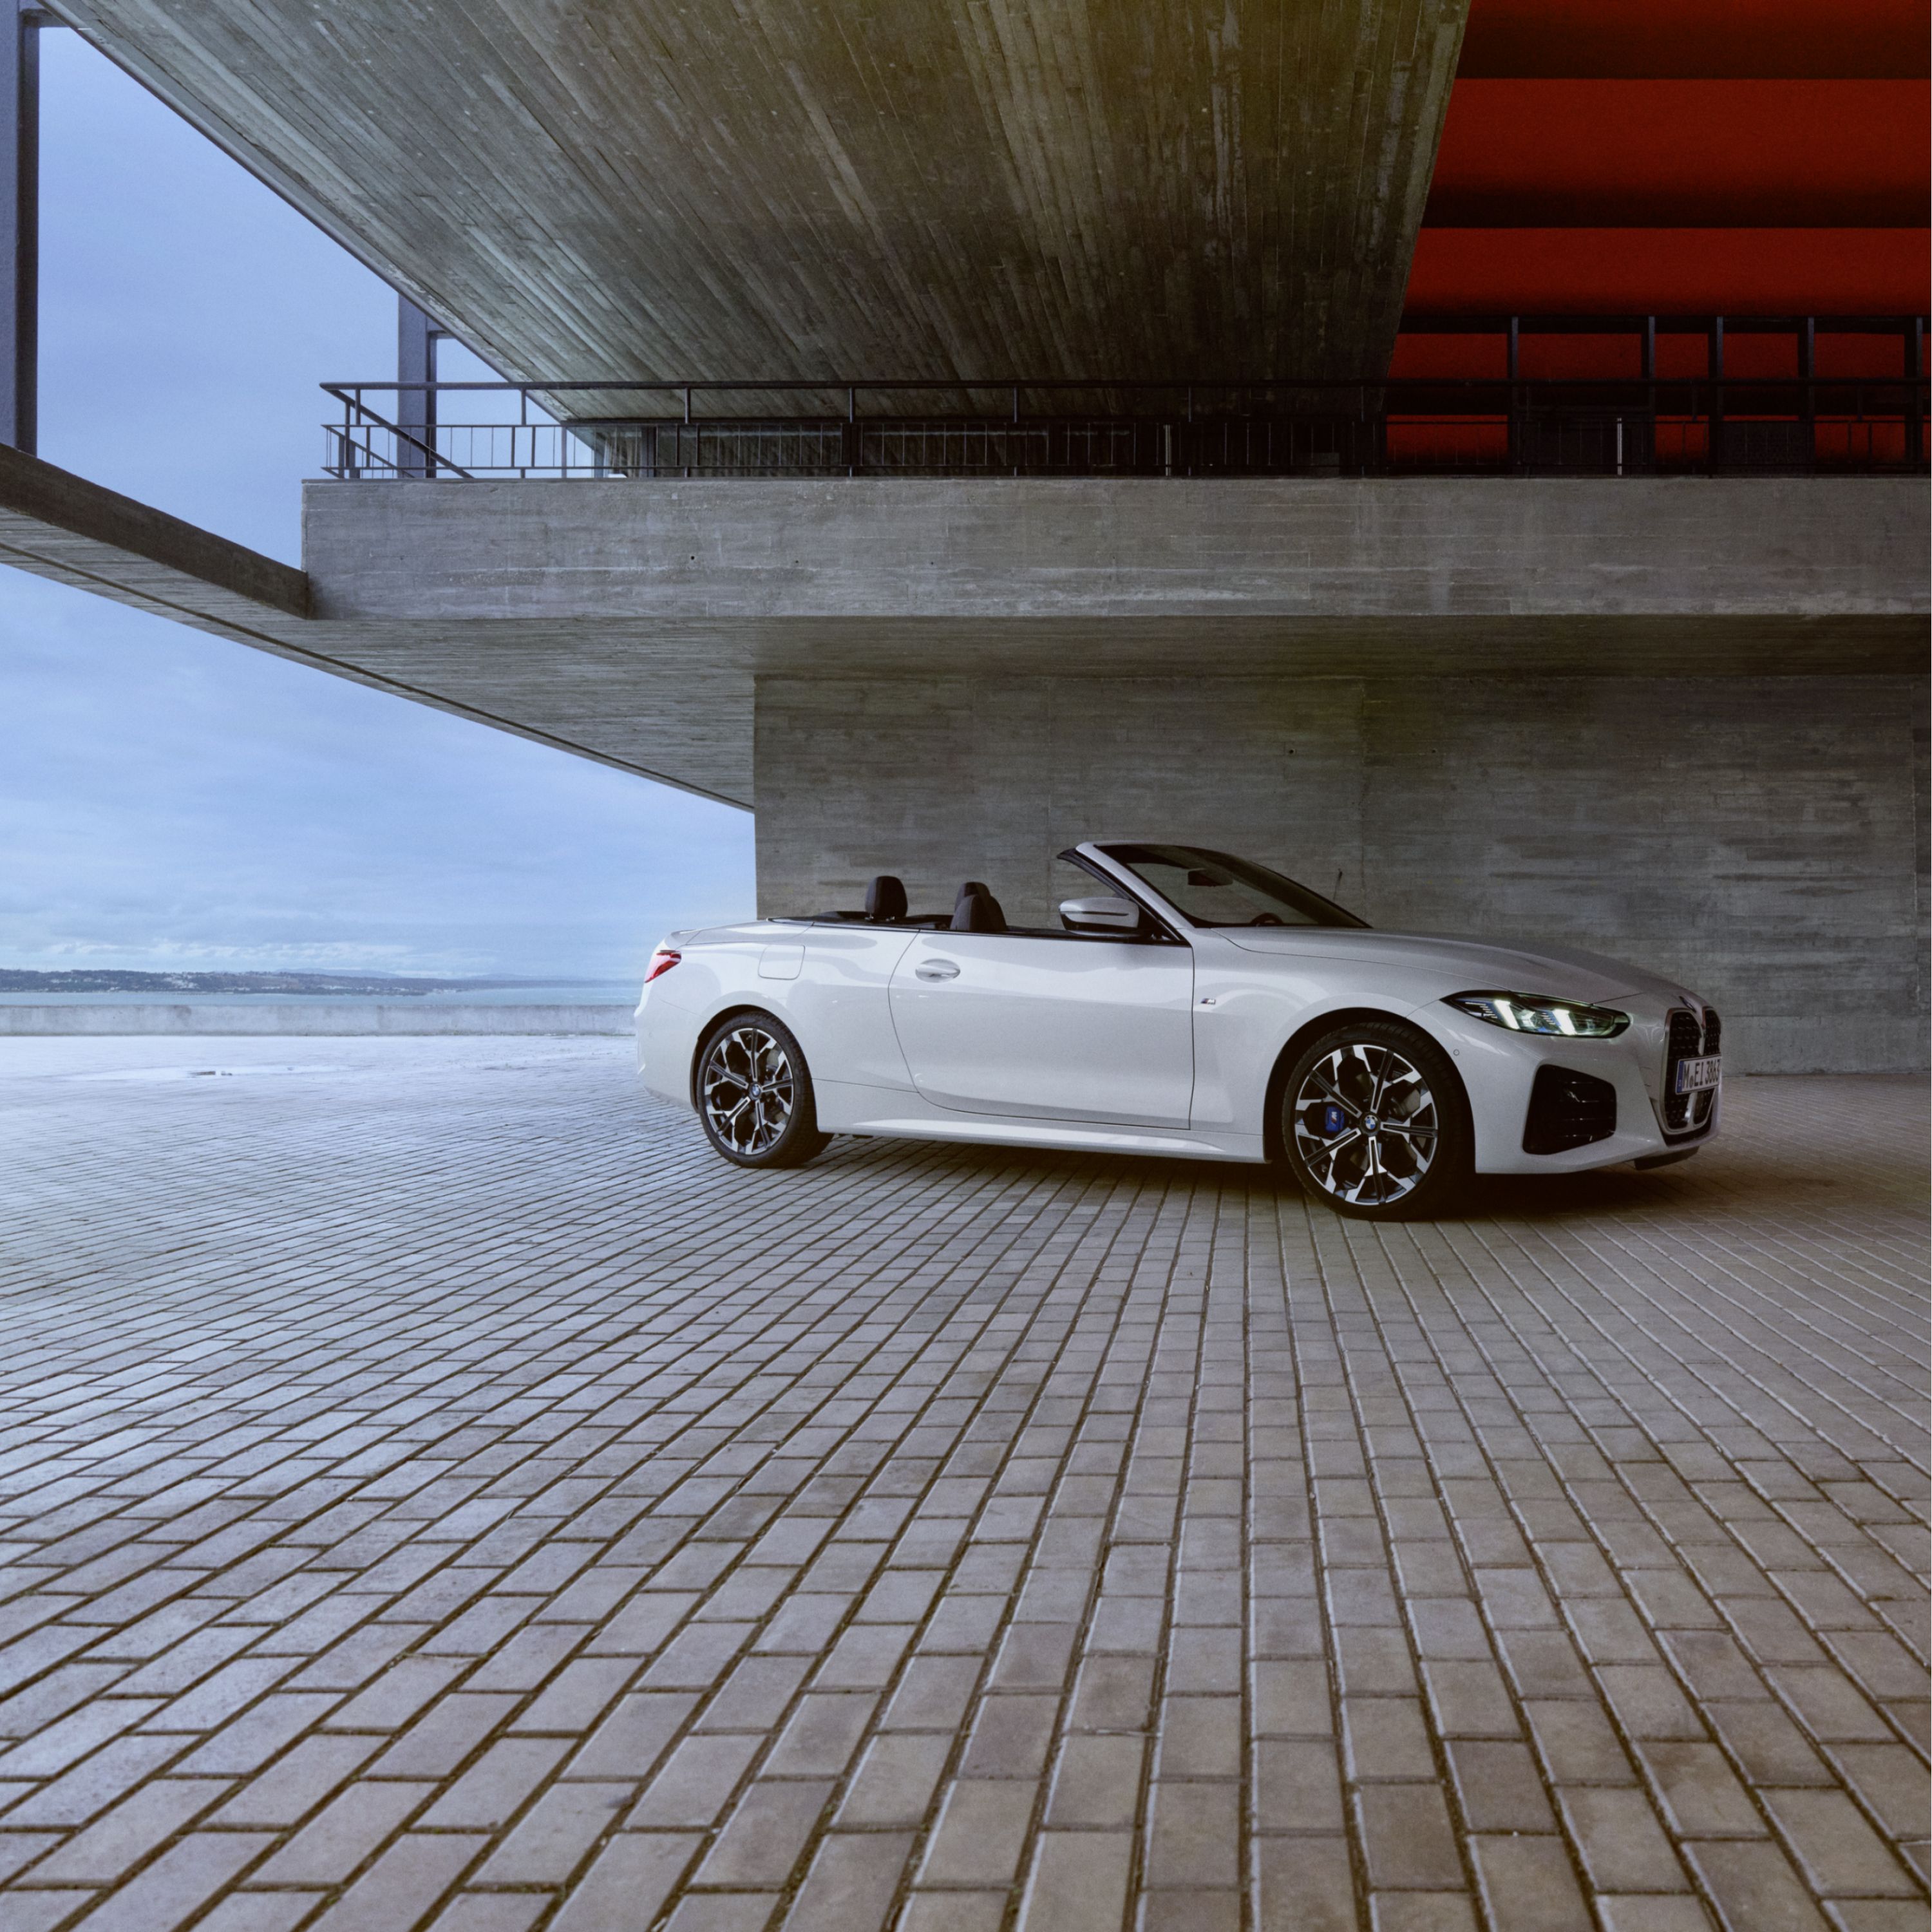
[[1651, 427]]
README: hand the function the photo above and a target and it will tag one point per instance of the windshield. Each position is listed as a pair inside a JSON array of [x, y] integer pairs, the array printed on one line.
[[1216, 889]]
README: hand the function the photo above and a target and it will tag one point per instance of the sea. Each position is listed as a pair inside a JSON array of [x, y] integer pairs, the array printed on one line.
[[561, 993]]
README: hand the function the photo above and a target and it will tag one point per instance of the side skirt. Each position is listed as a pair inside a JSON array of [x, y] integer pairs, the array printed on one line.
[[898, 1114]]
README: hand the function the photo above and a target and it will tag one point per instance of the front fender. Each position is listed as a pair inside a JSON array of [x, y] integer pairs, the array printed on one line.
[[1244, 1019]]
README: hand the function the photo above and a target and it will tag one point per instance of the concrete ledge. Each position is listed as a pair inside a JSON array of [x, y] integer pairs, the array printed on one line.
[[58, 525], [1055, 549], [315, 1022]]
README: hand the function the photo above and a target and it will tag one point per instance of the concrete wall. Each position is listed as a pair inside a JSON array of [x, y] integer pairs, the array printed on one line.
[[750, 552], [310, 1022], [1760, 837]]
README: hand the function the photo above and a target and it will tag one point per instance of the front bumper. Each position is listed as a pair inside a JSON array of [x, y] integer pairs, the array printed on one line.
[[1499, 1069]]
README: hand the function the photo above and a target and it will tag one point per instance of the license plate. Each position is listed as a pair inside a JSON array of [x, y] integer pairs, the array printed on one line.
[[1698, 1076]]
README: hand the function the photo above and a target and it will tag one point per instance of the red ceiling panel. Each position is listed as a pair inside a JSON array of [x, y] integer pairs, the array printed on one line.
[[1670, 271], [1685, 153], [1683, 39]]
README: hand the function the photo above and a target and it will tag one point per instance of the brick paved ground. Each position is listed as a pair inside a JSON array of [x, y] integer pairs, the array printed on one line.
[[434, 1492]]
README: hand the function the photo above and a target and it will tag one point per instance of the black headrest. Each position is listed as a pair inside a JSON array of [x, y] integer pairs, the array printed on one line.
[[976, 910], [885, 899]]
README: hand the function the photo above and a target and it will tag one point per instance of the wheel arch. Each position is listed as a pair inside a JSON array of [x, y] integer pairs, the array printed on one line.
[[1326, 1022], [738, 1009]]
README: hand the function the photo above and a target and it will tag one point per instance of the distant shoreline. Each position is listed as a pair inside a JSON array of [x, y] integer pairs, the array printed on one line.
[[24, 986], [578, 992]]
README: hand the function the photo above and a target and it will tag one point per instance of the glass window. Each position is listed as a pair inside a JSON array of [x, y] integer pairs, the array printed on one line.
[[1216, 889]]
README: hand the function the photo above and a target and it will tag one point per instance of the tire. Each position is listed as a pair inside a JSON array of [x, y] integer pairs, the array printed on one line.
[[1375, 1124], [753, 1093]]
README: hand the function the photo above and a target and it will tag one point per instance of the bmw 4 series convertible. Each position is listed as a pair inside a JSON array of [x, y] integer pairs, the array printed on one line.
[[1188, 1002]]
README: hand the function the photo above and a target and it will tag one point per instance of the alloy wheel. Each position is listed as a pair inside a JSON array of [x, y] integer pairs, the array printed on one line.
[[748, 1089], [1366, 1124]]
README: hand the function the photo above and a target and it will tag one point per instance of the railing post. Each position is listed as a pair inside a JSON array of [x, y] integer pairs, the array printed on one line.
[[1915, 377], [1714, 417], [1807, 393], [1517, 455]]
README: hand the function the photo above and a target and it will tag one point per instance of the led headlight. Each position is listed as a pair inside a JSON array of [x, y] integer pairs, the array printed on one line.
[[1530, 1012]]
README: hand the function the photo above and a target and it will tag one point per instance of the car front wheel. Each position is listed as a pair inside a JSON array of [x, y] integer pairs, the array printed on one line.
[[1373, 1122], [753, 1094]]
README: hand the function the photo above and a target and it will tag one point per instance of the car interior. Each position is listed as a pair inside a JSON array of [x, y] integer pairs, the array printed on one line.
[[974, 910]]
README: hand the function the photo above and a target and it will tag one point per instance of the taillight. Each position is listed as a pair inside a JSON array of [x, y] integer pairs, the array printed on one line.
[[662, 960]]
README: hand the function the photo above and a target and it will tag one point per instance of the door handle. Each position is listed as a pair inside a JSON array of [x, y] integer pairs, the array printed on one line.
[[936, 969]]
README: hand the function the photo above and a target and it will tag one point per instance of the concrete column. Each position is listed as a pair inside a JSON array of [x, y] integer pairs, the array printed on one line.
[[20, 223]]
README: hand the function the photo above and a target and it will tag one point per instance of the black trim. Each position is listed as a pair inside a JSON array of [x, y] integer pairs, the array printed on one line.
[[1568, 1109]]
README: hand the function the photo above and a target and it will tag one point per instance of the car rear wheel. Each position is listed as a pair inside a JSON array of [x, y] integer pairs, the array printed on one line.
[[753, 1094], [1374, 1123]]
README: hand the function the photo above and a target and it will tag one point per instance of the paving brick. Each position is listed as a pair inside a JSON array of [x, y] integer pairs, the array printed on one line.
[[1753, 1887], [1303, 1884], [328, 1849], [981, 1830], [632, 1877], [1837, 1853], [1498, 1789], [765, 1834], [1407, 1842], [850, 1885], [895, 1780], [1527, 1885], [1620, 1840]]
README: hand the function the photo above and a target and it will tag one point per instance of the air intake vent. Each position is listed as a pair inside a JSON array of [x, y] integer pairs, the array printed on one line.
[[1568, 1110]]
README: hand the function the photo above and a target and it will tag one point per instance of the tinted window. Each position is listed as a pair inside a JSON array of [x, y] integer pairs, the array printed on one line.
[[1216, 889]]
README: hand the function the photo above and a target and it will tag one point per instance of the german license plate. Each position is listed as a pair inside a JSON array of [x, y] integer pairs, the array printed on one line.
[[1698, 1076]]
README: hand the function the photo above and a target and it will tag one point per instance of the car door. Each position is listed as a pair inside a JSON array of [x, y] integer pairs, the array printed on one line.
[[1059, 1027]]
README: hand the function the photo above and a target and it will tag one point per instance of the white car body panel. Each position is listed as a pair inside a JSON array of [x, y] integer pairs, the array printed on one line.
[[1040, 1029], [1131, 1046]]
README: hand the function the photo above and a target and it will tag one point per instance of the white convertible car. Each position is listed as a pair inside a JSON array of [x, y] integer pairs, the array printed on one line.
[[1189, 1002]]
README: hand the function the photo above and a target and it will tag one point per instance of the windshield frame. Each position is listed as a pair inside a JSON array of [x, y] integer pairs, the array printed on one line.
[[1264, 879]]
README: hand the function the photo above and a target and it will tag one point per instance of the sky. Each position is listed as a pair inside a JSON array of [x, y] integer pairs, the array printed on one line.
[[171, 799]]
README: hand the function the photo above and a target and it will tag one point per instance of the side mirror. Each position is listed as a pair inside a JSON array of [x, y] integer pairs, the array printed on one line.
[[1105, 914]]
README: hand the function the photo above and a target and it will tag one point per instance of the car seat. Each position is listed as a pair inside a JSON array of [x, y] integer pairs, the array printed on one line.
[[976, 910]]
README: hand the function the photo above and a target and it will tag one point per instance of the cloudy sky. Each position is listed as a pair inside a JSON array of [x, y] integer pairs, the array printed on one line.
[[169, 799]]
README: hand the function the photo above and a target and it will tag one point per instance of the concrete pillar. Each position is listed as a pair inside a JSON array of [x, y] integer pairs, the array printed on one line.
[[20, 223]]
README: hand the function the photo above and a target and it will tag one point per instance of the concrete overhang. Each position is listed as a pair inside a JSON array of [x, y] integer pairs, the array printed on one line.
[[635, 617], [628, 621], [61, 526], [1171, 189]]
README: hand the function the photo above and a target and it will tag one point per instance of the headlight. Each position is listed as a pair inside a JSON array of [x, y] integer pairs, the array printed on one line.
[[1530, 1012]]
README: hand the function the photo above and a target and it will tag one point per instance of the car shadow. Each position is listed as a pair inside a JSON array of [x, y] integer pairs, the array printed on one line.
[[1771, 1180]]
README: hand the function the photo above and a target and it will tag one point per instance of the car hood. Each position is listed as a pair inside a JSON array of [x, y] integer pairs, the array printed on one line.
[[1564, 972]]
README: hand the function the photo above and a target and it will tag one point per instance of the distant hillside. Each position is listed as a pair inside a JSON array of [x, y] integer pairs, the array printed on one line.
[[385, 985]]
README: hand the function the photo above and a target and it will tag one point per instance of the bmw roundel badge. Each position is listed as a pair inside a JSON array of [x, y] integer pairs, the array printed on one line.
[[1333, 1119]]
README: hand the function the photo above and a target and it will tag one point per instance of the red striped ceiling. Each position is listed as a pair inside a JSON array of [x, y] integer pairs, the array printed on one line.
[[1682, 157]]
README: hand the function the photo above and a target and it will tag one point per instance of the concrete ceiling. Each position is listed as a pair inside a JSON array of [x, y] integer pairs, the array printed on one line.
[[805, 188]]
